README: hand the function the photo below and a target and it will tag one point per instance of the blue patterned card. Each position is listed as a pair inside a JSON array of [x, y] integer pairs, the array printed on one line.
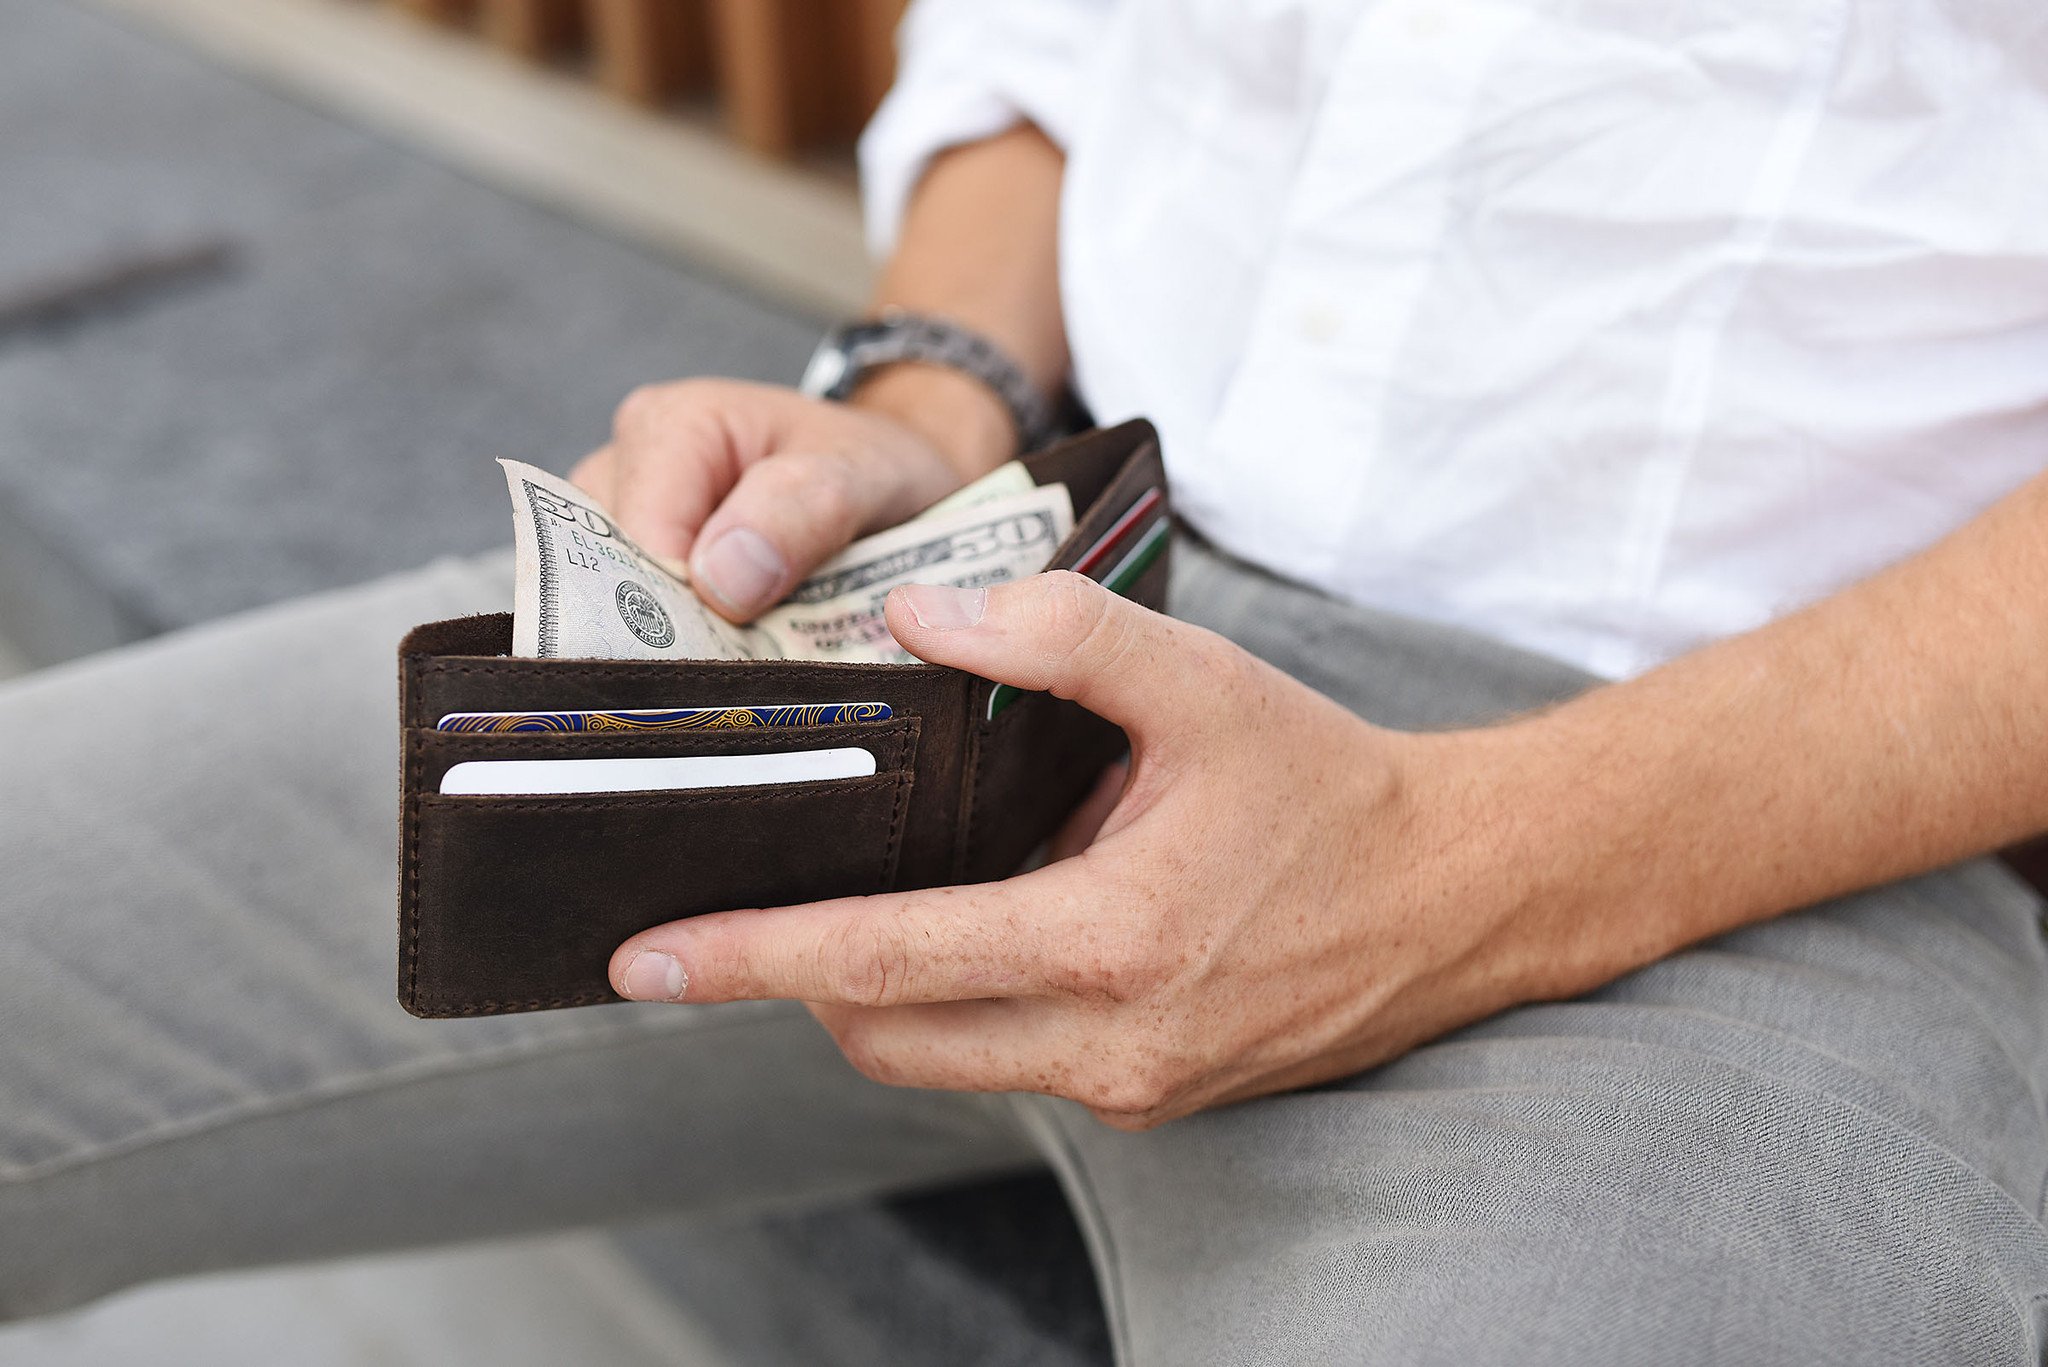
[[669, 718]]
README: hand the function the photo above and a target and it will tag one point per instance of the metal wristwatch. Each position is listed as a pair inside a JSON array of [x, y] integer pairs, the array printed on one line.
[[855, 350]]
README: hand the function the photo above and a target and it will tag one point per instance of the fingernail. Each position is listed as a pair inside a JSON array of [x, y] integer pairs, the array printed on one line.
[[652, 976], [741, 569], [939, 608]]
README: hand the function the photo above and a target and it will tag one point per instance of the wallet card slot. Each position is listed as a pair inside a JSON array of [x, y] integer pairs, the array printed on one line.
[[430, 754], [1133, 479], [516, 903], [434, 686], [1088, 464]]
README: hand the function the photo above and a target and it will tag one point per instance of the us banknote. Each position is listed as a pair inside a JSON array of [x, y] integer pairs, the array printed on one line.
[[586, 591]]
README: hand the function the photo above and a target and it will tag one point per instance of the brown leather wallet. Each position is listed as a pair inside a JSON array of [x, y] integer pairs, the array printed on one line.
[[516, 903]]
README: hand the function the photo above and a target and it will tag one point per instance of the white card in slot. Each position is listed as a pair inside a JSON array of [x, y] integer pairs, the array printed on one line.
[[653, 773]]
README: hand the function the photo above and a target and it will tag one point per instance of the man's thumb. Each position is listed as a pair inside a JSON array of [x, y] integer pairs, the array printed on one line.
[[1059, 633]]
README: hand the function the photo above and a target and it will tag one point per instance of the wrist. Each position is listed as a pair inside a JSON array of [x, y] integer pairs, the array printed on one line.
[[959, 416], [1540, 854], [1601, 843]]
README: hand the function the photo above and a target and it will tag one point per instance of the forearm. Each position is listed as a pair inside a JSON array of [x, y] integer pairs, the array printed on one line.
[[978, 246], [1892, 728]]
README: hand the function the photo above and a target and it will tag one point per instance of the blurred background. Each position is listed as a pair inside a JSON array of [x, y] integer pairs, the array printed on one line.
[[279, 279], [325, 259]]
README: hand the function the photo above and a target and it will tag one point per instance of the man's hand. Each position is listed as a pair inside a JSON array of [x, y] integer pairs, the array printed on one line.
[[1285, 894], [1281, 894], [754, 485]]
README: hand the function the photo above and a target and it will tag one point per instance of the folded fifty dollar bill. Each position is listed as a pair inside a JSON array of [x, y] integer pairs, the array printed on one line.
[[586, 591]]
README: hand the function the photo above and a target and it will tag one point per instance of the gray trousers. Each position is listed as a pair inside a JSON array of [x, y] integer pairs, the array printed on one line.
[[1816, 1140]]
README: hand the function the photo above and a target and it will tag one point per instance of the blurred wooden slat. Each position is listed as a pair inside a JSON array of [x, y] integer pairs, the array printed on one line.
[[874, 51], [440, 11], [753, 75], [649, 51], [783, 77], [791, 75], [533, 29]]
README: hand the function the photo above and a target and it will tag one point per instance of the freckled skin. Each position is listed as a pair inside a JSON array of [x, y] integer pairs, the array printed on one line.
[[1206, 933], [1278, 893]]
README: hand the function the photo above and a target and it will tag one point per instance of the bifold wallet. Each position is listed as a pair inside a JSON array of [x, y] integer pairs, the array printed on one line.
[[515, 903]]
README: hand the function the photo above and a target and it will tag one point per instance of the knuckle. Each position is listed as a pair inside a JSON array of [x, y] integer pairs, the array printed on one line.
[[1119, 974], [821, 486], [650, 409], [1131, 1091], [1065, 620], [864, 964], [1087, 617], [699, 391], [828, 491], [1075, 602], [1139, 1079], [641, 409]]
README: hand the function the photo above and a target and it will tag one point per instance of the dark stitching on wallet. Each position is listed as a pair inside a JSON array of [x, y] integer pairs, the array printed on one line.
[[531, 1004], [896, 825], [970, 796], [969, 845], [983, 728], [410, 798]]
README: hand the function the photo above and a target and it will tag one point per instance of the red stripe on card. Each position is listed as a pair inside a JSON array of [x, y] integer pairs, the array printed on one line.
[[1117, 530]]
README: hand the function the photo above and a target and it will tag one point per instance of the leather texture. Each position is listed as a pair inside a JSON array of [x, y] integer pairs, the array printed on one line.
[[516, 903]]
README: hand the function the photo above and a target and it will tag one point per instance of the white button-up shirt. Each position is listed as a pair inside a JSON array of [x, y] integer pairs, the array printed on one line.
[[1605, 327]]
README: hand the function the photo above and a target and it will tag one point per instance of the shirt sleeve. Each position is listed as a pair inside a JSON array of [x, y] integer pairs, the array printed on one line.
[[968, 69]]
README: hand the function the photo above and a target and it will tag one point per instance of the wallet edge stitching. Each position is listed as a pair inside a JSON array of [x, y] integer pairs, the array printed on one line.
[[410, 798]]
